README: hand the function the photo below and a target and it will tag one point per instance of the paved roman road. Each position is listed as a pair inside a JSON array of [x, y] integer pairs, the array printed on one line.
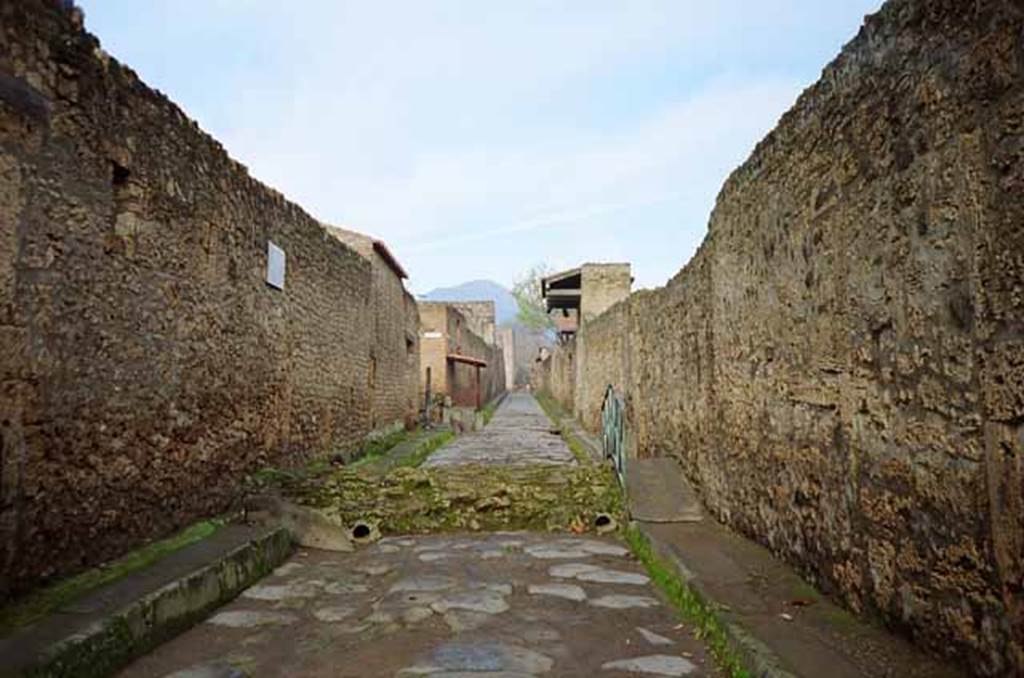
[[508, 604], [519, 434]]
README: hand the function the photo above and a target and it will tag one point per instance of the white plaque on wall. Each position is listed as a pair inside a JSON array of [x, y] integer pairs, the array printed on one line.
[[275, 265]]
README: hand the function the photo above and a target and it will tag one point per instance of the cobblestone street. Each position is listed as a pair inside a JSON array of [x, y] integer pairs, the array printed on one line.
[[519, 434], [500, 604], [509, 604]]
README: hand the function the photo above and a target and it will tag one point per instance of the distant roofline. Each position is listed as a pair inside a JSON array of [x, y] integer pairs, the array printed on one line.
[[382, 249], [378, 246], [457, 301]]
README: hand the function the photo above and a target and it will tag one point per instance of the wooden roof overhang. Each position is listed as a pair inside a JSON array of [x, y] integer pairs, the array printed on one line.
[[466, 360], [562, 290]]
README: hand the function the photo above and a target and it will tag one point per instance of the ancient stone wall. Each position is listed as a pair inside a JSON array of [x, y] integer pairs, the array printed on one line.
[[602, 285], [528, 344], [446, 332], [146, 366], [480, 318], [601, 352], [506, 338], [540, 374], [562, 374], [434, 346], [393, 373], [414, 393], [841, 366], [492, 377]]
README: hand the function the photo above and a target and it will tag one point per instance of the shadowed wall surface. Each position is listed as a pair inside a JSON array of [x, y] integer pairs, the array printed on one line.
[[146, 366], [394, 373]]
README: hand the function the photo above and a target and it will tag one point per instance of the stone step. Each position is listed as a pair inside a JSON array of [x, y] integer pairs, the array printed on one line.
[[104, 630], [659, 493]]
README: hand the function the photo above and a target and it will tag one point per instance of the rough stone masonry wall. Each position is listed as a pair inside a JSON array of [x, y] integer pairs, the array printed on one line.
[[145, 366], [603, 346], [457, 380], [841, 366], [389, 351], [479, 316], [394, 371], [492, 378], [602, 285], [561, 377], [413, 391]]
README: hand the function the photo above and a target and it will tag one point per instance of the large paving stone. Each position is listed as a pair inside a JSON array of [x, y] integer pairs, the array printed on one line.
[[657, 665]]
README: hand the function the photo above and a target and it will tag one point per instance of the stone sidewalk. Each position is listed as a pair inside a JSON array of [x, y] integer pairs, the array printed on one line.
[[519, 434], [505, 604]]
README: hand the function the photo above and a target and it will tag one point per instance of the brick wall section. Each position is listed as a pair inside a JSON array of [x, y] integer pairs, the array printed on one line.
[[393, 376], [841, 366], [145, 364]]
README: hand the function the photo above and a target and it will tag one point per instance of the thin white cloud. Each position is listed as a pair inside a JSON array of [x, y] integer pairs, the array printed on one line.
[[476, 137]]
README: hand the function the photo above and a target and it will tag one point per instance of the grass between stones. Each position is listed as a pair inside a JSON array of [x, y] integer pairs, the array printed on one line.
[[556, 413], [707, 626], [38, 604], [471, 497], [402, 498], [425, 445], [551, 407], [488, 411], [378, 447], [426, 448]]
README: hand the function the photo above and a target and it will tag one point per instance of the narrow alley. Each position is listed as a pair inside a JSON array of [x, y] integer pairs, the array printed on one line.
[[510, 339]]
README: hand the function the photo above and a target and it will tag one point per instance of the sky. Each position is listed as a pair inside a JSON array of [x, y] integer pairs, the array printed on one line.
[[481, 137]]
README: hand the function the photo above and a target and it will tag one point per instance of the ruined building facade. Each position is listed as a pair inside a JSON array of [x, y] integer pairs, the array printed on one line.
[[455, 361], [168, 324], [840, 367]]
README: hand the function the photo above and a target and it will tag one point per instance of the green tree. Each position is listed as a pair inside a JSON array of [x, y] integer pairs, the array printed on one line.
[[527, 291]]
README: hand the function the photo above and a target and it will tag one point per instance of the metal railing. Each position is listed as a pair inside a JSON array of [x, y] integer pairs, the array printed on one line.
[[613, 426]]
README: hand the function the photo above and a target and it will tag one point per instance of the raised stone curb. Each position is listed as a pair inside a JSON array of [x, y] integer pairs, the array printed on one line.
[[755, 656], [776, 624], [407, 449], [102, 643], [591, 443]]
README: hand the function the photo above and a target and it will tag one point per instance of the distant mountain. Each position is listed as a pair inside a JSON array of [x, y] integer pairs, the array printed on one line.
[[505, 307]]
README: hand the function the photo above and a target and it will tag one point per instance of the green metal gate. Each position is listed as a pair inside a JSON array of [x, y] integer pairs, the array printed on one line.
[[614, 429]]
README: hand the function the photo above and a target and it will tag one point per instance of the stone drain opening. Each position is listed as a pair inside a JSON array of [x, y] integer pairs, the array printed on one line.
[[604, 523], [364, 533]]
